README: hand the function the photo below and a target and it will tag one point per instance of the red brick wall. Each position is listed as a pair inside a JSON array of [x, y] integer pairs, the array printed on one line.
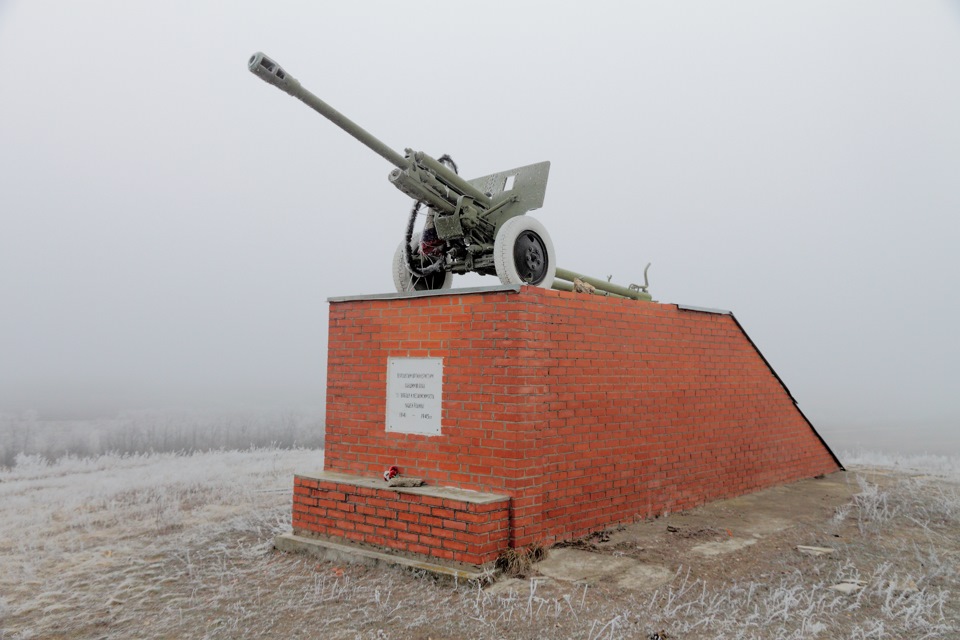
[[587, 411], [441, 527]]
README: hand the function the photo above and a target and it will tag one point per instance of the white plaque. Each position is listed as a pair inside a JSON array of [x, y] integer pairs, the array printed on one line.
[[414, 395]]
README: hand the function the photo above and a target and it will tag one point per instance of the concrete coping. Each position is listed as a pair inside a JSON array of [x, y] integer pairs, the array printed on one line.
[[690, 307], [511, 288], [452, 493]]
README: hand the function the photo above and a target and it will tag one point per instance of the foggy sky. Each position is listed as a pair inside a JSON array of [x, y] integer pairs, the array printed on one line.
[[171, 226]]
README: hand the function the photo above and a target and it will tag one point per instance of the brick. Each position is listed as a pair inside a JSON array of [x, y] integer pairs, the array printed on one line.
[[441, 513], [587, 411], [454, 525]]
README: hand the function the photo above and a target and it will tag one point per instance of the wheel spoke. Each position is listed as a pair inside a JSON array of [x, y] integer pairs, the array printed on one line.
[[529, 257], [430, 281], [408, 259]]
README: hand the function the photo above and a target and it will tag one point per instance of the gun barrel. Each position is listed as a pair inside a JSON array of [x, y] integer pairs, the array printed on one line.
[[272, 73], [602, 285]]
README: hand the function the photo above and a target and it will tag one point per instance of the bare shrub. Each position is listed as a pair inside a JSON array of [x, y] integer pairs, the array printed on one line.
[[156, 431], [518, 562]]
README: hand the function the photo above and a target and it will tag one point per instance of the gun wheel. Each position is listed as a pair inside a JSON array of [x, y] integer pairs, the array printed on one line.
[[405, 281], [523, 253]]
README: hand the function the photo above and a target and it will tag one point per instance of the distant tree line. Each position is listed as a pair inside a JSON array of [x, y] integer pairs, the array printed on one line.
[[156, 430]]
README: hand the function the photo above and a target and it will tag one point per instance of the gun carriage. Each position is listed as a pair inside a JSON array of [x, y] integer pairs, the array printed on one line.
[[473, 225]]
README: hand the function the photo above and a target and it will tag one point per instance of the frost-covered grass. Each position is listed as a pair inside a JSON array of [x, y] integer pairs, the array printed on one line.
[[179, 546], [947, 466], [88, 545], [790, 607]]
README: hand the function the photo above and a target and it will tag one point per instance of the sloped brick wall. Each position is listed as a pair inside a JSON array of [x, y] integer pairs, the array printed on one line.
[[585, 410]]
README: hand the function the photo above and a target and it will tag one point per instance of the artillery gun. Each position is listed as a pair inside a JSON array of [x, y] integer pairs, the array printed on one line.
[[478, 224], [472, 225]]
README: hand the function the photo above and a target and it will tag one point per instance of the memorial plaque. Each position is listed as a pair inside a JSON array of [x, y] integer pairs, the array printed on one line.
[[414, 395]]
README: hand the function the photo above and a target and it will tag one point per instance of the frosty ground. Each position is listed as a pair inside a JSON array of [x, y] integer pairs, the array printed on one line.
[[169, 545]]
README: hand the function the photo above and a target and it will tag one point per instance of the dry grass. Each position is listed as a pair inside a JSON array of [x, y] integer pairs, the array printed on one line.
[[517, 563], [167, 546]]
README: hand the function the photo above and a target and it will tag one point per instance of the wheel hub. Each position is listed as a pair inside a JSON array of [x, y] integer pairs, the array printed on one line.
[[529, 256]]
